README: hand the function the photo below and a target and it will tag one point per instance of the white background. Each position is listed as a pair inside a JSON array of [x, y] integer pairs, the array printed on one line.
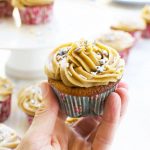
[[87, 18]]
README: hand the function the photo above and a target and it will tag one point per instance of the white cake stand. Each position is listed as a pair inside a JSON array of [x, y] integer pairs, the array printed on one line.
[[30, 45]]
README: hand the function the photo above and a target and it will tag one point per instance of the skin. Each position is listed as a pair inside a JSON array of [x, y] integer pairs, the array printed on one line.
[[49, 131]]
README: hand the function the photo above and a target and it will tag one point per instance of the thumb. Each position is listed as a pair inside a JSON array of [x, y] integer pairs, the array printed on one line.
[[45, 117]]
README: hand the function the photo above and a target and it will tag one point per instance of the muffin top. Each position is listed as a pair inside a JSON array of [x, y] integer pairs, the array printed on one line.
[[8, 138], [146, 13], [6, 88], [84, 64], [23, 3], [30, 99], [130, 25], [118, 40]]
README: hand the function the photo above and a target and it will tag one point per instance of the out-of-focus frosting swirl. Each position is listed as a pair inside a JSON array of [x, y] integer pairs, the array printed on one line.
[[146, 13], [130, 25], [30, 99], [22, 3], [118, 40], [6, 88], [85, 64], [9, 140]]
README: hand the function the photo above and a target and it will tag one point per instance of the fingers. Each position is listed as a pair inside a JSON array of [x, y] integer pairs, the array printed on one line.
[[123, 85], [45, 118], [86, 125], [111, 117]]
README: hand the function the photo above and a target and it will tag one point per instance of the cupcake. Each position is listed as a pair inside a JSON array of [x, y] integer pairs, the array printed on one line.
[[5, 8], [34, 11], [5, 98], [9, 139], [146, 17], [83, 74], [133, 26], [29, 100], [119, 40]]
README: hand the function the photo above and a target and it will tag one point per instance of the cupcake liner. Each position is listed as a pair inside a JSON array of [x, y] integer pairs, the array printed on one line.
[[5, 108], [125, 54], [36, 14], [146, 32], [77, 106], [5, 9], [30, 119], [136, 35]]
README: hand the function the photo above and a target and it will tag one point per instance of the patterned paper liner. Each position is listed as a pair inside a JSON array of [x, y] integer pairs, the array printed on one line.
[[136, 35], [36, 14], [30, 119], [146, 32], [5, 9], [5, 108], [125, 54], [77, 106]]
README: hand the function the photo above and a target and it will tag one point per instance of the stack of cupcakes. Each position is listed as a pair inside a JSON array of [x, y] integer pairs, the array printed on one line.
[[6, 89], [119, 40], [29, 100], [135, 27], [34, 11], [146, 17], [9, 139], [83, 74], [6, 8]]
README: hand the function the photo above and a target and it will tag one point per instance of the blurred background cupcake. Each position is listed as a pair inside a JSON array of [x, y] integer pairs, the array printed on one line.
[[82, 75], [146, 17], [134, 26], [119, 40], [6, 8], [9, 139], [29, 100], [6, 89], [34, 11]]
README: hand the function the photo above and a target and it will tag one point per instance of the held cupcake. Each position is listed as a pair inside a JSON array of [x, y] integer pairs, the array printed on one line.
[[119, 40], [34, 11], [9, 140], [5, 8], [133, 26], [29, 100], [82, 75], [146, 17], [5, 98]]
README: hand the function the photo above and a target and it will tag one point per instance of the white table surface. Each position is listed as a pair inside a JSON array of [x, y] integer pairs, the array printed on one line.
[[134, 131]]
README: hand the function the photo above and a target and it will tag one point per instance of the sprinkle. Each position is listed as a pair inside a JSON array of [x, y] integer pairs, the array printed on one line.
[[102, 61], [100, 69], [104, 52], [63, 51], [32, 101]]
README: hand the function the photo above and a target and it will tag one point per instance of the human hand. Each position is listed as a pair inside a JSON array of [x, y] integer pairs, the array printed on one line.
[[49, 131]]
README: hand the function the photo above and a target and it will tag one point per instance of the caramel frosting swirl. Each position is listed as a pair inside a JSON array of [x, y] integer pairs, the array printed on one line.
[[23, 3], [85, 64], [146, 13], [128, 25], [9, 140], [6, 88], [30, 99], [118, 40]]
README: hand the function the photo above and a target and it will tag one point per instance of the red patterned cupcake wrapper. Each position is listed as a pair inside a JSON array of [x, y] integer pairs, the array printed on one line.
[[30, 119], [36, 14], [146, 32], [5, 9], [77, 106], [125, 54], [5, 108]]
